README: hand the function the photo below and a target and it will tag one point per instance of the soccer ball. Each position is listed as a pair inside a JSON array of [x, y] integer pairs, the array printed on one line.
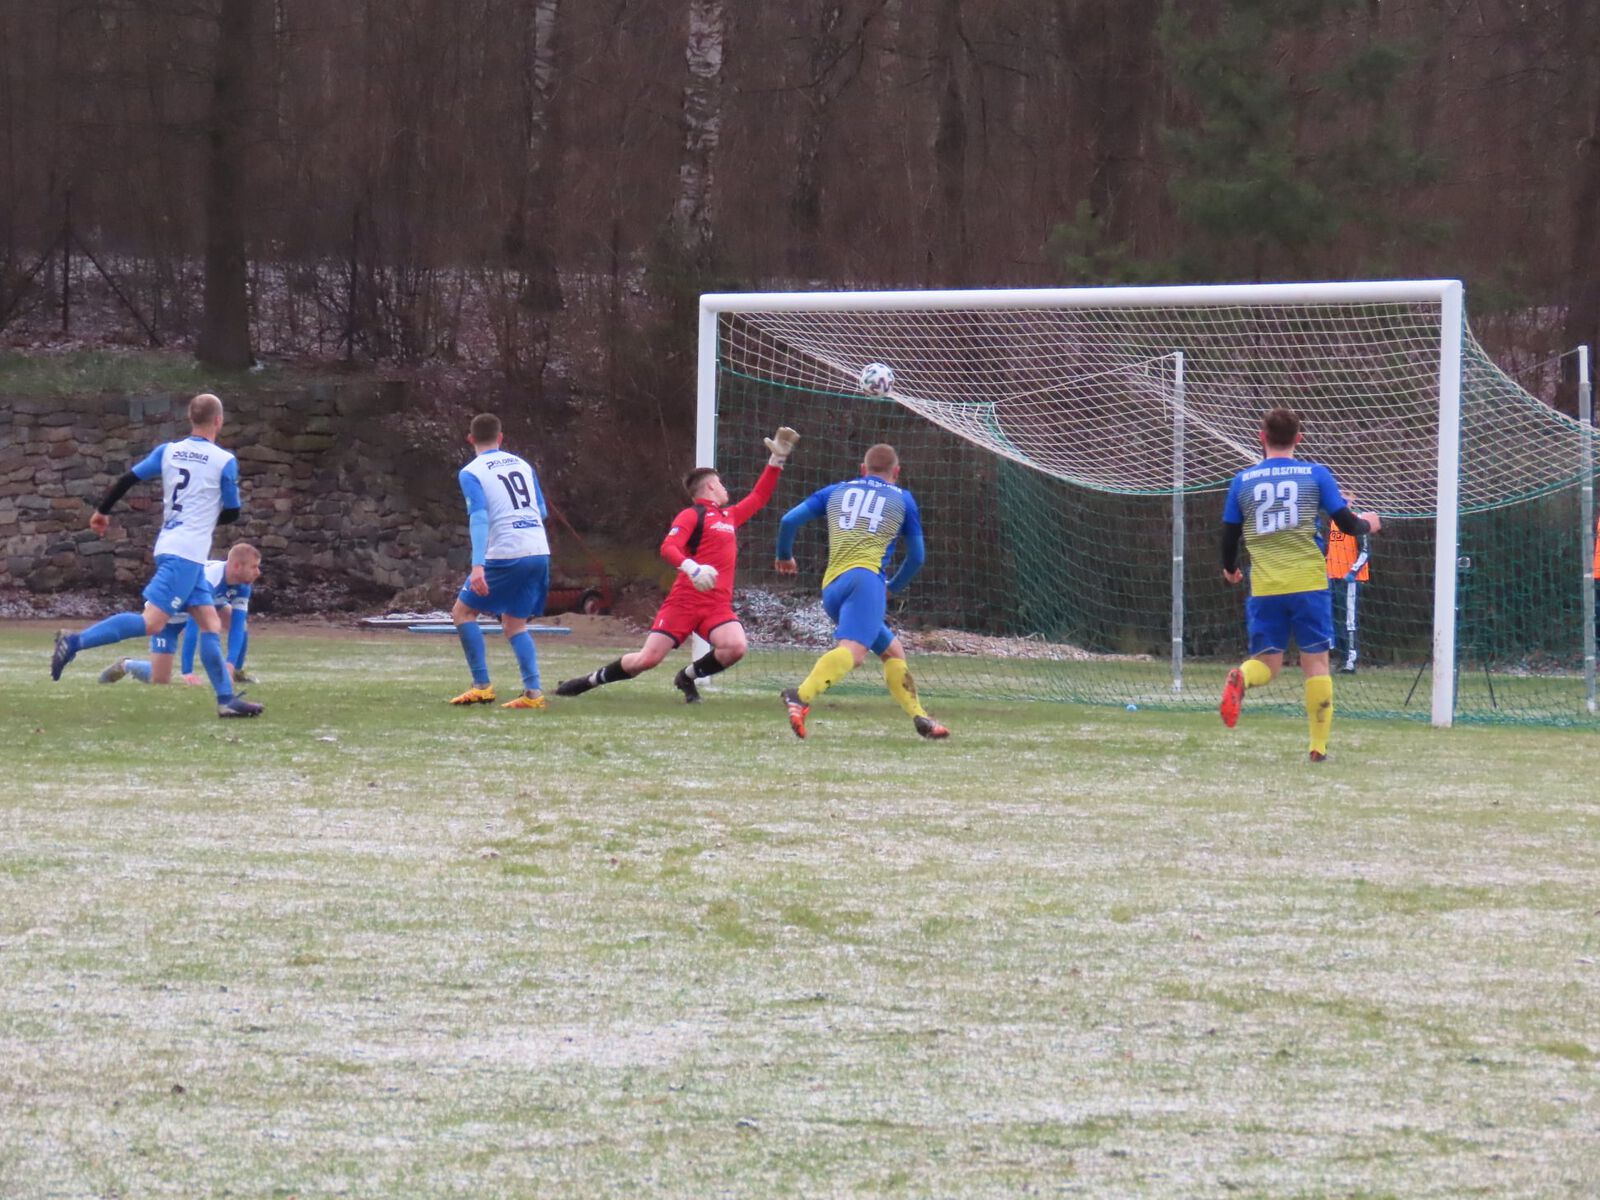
[[877, 379]]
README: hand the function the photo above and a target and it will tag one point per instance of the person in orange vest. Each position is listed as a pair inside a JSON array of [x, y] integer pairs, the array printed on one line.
[[1347, 573], [1597, 580]]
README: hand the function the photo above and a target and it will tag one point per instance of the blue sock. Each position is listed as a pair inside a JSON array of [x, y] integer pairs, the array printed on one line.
[[113, 629], [139, 668], [216, 666], [477, 659], [527, 659], [186, 656]]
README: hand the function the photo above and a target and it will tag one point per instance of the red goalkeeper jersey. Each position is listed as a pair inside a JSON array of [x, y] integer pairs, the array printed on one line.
[[718, 547]]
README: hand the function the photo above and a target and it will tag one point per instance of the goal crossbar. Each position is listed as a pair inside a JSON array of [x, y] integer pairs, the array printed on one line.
[[1181, 296]]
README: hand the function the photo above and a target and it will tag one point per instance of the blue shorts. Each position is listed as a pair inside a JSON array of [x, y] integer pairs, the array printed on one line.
[[166, 642], [517, 587], [857, 601], [178, 584], [1270, 618]]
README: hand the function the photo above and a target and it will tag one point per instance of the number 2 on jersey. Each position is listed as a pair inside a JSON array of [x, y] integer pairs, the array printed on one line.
[[178, 489], [859, 504], [1278, 509]]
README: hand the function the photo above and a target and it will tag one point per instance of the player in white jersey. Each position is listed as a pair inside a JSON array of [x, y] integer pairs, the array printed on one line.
[[510, 561], [231, 580], [199, 491]]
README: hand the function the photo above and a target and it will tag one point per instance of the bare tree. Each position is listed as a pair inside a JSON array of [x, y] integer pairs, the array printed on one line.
[[693, 218], [832, 61], [947, 254], [1583, 290], [225, 325], [543, 140], [388, 164], [524, 300], [1118, 86]]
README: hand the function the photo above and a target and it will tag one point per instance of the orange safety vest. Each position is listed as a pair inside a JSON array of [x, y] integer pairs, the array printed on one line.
[[1597, 549], [1343, 550]]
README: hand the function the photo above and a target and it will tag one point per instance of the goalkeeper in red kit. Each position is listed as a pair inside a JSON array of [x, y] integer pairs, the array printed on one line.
[[702, 546]]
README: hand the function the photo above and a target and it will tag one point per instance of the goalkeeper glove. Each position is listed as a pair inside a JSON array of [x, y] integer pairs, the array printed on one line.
[[702, 575], [781, 444]]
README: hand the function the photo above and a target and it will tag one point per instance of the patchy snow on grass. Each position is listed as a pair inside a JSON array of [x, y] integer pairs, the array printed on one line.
[[631, 946]]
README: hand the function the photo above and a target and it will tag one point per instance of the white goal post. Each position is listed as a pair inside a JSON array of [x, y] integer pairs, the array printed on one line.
[[1587, 582], [1443, 297]]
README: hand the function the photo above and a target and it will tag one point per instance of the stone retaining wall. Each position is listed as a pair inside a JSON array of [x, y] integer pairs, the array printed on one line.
[[332, 488]]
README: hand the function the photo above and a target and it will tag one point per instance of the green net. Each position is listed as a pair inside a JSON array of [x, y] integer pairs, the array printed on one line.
[[1053, 453]]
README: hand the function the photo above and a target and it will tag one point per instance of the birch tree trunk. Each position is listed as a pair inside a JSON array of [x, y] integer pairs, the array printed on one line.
[[693, 216]]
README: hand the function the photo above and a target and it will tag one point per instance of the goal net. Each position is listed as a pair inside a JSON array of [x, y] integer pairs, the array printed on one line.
[[1070, 451]]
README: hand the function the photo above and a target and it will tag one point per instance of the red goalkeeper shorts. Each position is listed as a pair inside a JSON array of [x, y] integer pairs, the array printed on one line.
[[679, 616]]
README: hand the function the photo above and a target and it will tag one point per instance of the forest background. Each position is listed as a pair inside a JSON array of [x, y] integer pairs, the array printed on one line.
[[520, 200]]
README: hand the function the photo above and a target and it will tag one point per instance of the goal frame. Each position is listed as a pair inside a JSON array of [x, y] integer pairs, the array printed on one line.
[[1448, 294]]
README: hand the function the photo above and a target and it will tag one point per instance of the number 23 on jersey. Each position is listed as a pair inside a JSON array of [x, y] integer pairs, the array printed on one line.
[[1277, 506]]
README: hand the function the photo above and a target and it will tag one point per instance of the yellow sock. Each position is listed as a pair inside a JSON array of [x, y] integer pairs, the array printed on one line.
[[831, 667], [1319, 710], [1255, 673], [902, 687]]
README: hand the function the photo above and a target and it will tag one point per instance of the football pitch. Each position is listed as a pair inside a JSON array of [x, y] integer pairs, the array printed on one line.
[[370, 945]]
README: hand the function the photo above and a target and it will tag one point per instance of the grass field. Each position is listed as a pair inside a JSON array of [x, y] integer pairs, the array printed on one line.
[[373, 946], [86, 372], [1395, 693]]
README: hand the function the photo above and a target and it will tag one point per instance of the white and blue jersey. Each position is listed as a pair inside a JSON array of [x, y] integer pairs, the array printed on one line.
[[505, 507], [231, 595], [506, 512], [198, 480]]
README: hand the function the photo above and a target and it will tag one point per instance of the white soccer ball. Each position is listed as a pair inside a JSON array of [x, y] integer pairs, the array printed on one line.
[[877, 379]]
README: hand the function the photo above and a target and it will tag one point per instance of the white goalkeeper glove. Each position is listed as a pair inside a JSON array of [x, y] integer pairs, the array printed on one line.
[[781, 444], [702, 575]]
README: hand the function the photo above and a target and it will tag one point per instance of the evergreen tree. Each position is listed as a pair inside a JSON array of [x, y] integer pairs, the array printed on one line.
[[1285, 139]]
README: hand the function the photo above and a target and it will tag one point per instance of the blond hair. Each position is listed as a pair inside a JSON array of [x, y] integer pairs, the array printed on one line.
[[205, 410], [880, 459]]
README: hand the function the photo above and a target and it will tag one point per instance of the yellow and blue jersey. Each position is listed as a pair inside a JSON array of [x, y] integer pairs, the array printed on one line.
[[1277, 502], [866, 517]]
